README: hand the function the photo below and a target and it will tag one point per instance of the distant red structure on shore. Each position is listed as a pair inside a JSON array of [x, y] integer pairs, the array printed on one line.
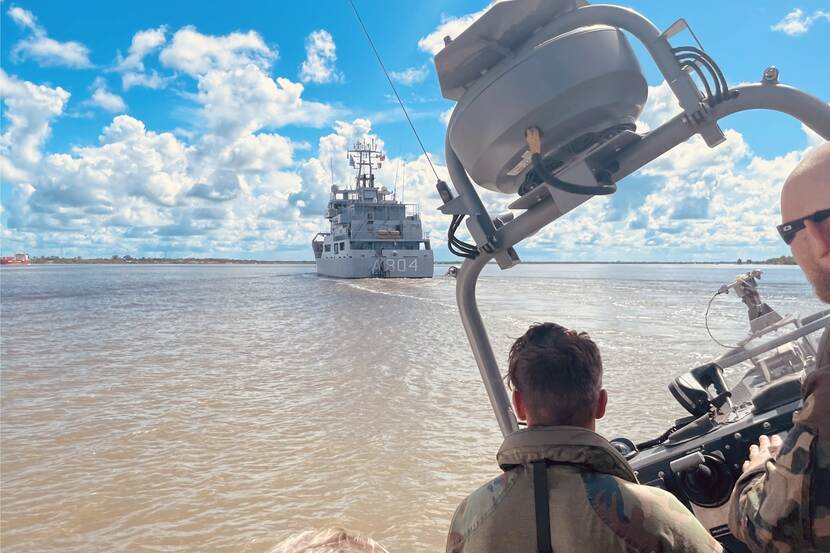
[[16, 259]]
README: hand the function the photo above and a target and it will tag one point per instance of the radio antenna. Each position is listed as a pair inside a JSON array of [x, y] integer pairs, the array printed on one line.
[[391, 84]]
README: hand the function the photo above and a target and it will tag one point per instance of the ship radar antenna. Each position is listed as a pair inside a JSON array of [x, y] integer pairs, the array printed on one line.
[[366, 157]]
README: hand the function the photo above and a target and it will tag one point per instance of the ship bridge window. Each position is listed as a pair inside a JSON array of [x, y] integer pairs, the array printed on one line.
[[327, 247]]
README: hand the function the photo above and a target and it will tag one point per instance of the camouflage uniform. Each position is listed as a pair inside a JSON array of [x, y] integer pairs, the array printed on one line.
[[784, 506], [595, 502]]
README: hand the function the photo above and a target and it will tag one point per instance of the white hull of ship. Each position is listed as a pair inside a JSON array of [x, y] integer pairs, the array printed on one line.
[[417, 264]]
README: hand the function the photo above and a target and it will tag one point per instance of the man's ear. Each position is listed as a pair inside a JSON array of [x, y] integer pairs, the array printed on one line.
[[819, 238], [519, 405], [602, 403]]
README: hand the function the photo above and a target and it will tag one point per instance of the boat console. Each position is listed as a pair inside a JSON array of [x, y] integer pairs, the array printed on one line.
[[699, 457], [548, 93]]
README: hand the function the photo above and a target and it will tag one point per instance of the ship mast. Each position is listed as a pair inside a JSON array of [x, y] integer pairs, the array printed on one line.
[[365, 156]]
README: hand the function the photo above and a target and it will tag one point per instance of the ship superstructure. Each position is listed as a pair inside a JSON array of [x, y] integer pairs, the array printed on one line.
[[372, 234]]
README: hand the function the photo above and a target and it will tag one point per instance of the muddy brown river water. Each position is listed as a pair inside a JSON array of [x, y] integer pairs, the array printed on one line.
[[221, 408]]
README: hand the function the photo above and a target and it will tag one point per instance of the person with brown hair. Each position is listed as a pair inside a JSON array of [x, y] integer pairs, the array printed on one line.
[[564, 487]]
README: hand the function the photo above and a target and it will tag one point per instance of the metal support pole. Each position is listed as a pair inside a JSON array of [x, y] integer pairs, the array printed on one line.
[[808, 109], [466, 191], [465, 295]]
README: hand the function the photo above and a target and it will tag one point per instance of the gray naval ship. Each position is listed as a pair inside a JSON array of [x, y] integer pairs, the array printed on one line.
[[372, 234]]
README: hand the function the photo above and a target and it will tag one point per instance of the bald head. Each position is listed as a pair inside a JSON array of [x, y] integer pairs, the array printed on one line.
[[807, 189]]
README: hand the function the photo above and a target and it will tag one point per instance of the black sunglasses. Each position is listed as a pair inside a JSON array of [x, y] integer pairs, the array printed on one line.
[[790, 229]]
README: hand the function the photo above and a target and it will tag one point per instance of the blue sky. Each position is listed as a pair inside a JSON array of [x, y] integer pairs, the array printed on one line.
[[153, 127]]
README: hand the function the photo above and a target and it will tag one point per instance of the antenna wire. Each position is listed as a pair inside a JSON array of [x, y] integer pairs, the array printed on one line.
[[391, 84]]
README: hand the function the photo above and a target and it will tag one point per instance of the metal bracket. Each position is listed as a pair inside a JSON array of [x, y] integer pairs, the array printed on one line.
[[705, 126], [458, 205], [677, 27], [698, 114]]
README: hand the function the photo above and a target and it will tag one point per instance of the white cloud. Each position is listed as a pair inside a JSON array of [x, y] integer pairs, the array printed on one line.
[[661, 106], [410, 75], [143, 43], [141, 189], [132, 68], [450, 26], [130, 162], [236, 94], [24, 18], [46, 51], [28, 110], [105, 99], [321, 56], [244, 99], [148, 80], [446, 115], [145, 191], [798, 23], [50, 52], [196, 54]]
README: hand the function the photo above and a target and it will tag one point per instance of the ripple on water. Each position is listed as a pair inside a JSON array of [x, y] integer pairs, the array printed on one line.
[[218, 409]]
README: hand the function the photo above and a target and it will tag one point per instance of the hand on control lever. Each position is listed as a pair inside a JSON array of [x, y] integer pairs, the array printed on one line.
[[761, 453]]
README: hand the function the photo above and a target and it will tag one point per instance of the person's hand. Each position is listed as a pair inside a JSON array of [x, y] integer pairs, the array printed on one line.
[[761, 453]]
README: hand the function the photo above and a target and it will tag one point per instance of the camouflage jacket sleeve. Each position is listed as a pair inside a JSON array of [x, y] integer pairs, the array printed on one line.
[[785, 506]]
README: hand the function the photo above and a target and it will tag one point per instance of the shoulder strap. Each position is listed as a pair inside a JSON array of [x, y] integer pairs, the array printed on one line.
[[541, 498]]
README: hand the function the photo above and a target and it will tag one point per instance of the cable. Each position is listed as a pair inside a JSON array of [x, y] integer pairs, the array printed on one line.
[[698, 61], [458, 253], [711, 62], [391, 84], [706, 323], [533, 135], [541, 171], [693, 66], [696, 68], [658, 440], [705, 56], [456, 246]]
